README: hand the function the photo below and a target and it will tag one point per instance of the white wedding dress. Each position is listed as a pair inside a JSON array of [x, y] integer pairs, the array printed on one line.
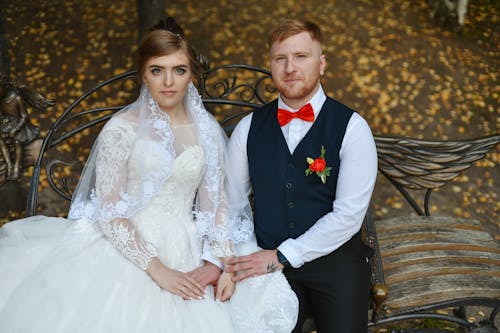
[[65, 276]]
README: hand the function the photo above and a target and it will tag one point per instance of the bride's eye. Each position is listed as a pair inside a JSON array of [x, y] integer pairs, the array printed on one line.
[[155, 71], [180, 70]]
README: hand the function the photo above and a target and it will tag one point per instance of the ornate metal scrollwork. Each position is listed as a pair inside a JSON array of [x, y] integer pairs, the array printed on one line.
[[238, 83], [60, 185], [232, 91]]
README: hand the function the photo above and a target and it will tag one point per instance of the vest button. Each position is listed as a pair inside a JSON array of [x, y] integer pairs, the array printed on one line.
[[291, 204], [291, 225], [288, 185], [291, 165]]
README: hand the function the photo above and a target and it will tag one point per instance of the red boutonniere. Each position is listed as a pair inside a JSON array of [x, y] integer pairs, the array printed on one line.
[[318, 166]]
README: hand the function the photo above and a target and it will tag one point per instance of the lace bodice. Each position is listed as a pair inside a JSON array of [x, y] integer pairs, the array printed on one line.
[[177, 195], [174, 199]]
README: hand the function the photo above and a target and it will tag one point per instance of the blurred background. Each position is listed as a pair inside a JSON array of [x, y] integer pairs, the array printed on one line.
[[409, 67]]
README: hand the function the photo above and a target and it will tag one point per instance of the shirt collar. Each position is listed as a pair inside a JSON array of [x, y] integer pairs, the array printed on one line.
[[316, 102]]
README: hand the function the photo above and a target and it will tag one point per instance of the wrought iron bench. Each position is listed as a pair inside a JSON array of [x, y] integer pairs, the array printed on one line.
[[422, 264]]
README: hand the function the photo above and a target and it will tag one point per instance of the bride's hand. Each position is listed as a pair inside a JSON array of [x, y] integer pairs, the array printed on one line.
[[175, 281], [225, 286], [207, 274]]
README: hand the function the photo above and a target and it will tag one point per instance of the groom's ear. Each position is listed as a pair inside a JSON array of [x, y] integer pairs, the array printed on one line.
[[322, 64]]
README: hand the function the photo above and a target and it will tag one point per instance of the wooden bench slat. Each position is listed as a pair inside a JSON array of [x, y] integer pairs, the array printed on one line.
[[428, 260], [437, 256], [407, 222], [411, 272], [405, 235], [429, 290], [408, 247]]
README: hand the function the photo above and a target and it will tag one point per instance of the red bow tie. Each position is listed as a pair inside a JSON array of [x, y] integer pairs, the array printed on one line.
[[305, 113]]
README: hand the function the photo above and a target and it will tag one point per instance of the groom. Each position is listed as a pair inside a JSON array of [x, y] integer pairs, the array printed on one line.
[[311, 164]]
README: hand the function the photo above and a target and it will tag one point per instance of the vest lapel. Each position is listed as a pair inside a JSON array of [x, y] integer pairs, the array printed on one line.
[[277, 127]]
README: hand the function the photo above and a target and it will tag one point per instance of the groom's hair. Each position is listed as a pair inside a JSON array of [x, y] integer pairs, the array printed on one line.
[[292, 27]]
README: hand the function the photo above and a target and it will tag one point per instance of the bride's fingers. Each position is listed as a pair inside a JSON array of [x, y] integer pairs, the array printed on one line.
[[223, 297], [183, 293], [194, 290], [196, 285], [187, 294], [226, 293], [189, 288], [220, 294]]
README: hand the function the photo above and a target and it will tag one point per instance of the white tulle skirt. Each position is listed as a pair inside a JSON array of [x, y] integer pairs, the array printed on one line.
[[48, 286]]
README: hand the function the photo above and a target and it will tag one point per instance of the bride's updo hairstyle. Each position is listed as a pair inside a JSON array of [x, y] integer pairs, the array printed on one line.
[[163, 39]]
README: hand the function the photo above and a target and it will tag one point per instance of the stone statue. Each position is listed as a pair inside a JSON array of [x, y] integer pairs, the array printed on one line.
[[17, 132]]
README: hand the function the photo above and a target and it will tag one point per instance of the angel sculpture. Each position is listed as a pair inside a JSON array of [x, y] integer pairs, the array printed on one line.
[[17, 132]]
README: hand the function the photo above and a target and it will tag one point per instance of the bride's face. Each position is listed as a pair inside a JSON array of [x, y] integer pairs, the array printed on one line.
[[168, 78]]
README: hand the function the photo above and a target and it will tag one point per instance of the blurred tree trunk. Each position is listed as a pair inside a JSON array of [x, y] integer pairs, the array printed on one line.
[[149, 13], [4, 55]]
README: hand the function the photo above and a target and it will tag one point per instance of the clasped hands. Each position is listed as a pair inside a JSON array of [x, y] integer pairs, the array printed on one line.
[[192, 285]]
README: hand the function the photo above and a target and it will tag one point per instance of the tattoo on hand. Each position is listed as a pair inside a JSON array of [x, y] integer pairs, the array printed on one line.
[[271, 267]]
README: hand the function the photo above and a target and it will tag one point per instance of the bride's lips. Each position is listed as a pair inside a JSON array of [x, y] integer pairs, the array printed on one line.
[[168, 92]]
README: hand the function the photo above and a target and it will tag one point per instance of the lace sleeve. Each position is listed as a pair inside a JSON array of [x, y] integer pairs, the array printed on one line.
[[223, 210], [113, 152], [212, 215]]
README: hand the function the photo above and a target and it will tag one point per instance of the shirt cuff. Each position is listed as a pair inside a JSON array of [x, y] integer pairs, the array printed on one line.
[[288, 250], [208, 256]]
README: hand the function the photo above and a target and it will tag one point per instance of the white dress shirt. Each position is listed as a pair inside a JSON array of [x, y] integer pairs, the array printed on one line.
[[356, 180]]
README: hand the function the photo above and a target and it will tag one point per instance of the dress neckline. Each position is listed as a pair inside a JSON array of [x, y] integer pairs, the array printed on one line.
[[191, 147], [182, 125]]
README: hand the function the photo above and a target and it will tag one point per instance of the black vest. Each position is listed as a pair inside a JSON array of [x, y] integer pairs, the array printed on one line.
[[286, 201]]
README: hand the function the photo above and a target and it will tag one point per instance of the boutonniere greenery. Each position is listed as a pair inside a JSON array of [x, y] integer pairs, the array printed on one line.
[[318, 166]]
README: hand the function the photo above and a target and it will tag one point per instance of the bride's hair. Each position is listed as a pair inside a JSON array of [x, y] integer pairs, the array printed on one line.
[[163, 39]]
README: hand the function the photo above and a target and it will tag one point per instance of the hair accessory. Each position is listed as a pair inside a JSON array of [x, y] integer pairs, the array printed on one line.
[[171, 25]]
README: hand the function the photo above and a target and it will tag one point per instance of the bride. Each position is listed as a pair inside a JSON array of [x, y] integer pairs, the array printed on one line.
[[151, 221]]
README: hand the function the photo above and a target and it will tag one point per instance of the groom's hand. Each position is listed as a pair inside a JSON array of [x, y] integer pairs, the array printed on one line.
[[257, 263], [206, 274]]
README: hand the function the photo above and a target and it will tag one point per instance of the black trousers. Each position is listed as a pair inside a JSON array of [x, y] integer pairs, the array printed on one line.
[[334, 289]]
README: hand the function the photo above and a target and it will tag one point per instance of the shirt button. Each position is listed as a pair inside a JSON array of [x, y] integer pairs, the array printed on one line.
[[288, 185], [291, 204]]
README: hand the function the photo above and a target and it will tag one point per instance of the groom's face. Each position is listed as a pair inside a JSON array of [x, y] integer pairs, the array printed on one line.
[[297, 64]]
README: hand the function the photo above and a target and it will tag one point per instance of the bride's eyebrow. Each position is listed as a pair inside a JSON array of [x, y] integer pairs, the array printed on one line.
[[163, 67]]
